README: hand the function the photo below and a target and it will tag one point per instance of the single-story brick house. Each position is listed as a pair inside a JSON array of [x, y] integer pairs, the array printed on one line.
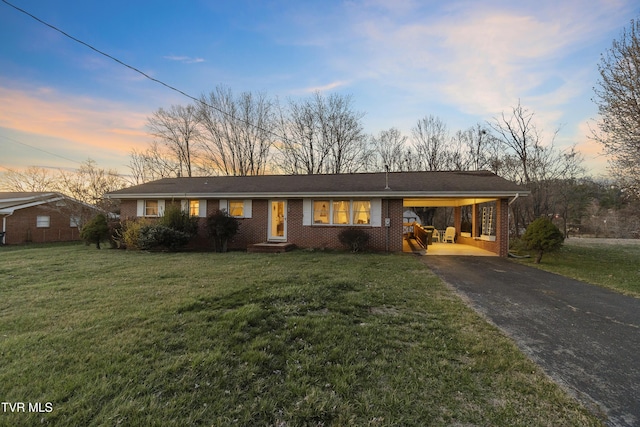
[[309, 211], [41, 217]]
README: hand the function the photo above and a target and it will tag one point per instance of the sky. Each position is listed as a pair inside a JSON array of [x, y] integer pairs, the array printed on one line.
[[463, 61]]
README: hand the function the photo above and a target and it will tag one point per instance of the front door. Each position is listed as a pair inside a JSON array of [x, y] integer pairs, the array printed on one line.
[[278, 221]]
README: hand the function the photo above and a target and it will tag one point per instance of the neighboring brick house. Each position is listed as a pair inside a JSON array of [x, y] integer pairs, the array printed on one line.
[[41, 217], [309, 211]]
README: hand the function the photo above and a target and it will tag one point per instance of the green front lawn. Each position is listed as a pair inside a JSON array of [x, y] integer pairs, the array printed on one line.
[[614, 266], [130, 338]]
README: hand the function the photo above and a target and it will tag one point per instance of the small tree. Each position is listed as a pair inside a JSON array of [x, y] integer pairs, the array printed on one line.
[[542, 236], [222, 227], [96, 230]]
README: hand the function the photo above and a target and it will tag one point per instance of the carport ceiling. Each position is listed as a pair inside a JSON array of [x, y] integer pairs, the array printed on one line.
[[444, 202]]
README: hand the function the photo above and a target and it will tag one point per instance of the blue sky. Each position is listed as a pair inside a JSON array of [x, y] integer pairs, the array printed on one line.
[[462, 61]]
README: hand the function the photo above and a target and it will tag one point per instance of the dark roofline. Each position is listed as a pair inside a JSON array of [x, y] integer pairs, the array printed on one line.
[[401, 184]]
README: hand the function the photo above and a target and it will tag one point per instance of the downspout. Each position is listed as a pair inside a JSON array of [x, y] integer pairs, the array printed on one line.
[[4, 228]]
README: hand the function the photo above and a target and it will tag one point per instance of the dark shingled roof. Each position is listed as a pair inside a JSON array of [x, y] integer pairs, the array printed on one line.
[[400, 184]]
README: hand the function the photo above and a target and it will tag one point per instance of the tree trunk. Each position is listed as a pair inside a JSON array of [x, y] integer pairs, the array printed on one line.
[[539, 256]]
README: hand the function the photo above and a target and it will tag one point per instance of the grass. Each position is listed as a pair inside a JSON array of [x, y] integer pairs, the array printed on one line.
[[614, 266], [297, 339]]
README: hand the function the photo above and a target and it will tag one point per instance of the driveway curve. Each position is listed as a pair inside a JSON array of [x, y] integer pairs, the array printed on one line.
[[585, 337]]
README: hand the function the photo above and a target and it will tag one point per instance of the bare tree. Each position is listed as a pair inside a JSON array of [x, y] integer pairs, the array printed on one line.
[[177, 129], [151, 164], [322, 135], [89, 183], [238, 132], [539, 166], [390, 149], [430, 138], [618, 99], [33, 179]]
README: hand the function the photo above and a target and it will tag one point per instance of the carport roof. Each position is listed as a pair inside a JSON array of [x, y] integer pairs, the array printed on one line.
[[391, 185]]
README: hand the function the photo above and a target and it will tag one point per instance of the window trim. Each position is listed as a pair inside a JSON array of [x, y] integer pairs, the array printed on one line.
[[41, 220]]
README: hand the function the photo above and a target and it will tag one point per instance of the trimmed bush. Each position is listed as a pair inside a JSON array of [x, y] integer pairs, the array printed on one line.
[[221, 228], [158, 236], [542, 236], [355, 239]]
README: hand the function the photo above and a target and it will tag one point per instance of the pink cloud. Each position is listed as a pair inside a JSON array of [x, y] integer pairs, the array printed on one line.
[[86, 123]]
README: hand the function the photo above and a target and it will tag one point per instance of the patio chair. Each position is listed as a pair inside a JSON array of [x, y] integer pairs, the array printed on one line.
[[450, 235], [436, 235]]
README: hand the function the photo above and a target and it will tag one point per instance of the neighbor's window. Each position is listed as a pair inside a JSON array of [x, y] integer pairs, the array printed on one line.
[[321, 211], [74, 221], [150, 208], [194, 207], [236, 208], [361, 212], [43, 221], [341, 211]]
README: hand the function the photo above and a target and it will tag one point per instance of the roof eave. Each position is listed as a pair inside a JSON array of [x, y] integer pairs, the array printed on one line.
[[331, 194]]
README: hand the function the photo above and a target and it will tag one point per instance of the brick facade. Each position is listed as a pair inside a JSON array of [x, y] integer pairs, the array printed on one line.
[[22, 227], [255, 229]]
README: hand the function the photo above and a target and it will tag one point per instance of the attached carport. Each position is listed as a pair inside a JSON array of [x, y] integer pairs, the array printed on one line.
[[481, 224]]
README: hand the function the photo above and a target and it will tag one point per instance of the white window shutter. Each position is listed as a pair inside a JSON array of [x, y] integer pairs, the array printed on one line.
[[307, 211], [160, 207], [376, 212], [202, 207], [140, 210], [223, 205], [247, 208]]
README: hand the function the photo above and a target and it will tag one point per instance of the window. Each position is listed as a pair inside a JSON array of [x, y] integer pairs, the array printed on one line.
[[194, 207], [43, 221], [150, 208], [321, 211], [341, 210], [362, 212], [236, 208], [74, 221]]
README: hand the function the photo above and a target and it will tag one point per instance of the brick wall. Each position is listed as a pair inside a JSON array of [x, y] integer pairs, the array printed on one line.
[[255, 229], [21, 226]]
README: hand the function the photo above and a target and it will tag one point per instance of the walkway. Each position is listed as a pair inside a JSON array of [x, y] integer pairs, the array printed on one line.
[[585, 337]]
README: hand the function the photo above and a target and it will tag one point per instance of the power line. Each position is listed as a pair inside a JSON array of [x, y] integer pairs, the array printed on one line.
[[145, 75], [39, 149]]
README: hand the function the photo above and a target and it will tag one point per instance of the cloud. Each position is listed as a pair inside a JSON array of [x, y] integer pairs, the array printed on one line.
[[184, 59], [327, 87], [86, 125]]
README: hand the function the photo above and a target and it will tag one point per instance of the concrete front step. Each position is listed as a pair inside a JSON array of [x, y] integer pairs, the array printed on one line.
[[271, 247]]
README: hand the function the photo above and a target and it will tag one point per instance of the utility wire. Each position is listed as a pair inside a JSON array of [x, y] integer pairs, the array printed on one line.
[[39, 149], [145, 75]]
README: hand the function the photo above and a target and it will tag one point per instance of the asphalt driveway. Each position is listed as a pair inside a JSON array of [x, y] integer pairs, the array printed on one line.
[[585, 337]]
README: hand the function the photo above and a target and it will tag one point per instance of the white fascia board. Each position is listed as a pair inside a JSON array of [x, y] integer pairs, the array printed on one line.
[[36, 203]]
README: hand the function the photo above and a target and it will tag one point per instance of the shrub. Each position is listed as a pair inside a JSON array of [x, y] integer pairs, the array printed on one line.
[[542, 236], [221, 227], [130, 233], [174, 217], [355, 239], [96, 230], [158, 236]]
